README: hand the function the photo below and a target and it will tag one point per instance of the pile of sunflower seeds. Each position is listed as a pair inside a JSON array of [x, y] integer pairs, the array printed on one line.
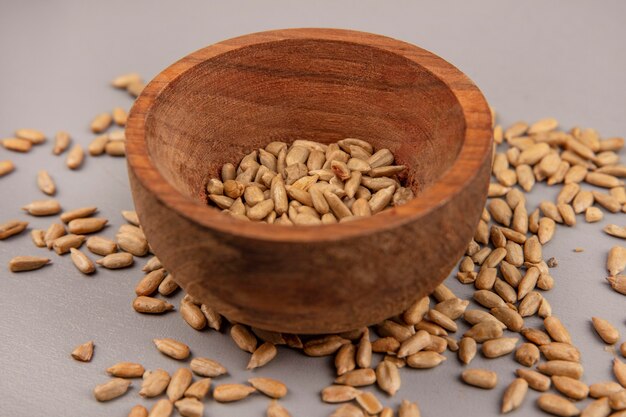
[[310, 183], [504, 262]]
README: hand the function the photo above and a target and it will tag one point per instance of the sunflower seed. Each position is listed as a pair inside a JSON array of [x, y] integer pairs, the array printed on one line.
[[270, 387], [154, 383], [388, 377], [190, 407], [262, 355], [619, 370], [138, 411], [557, 405], [149, 305], [11, 228], [598, 408], [199, 389], [480, 378], [207, 367], [514, 395], [605, 330], [180, 381], [357, 377], [45, 182], [17, 144], [570, 387], [27, 263], [484, 331], [604, 389], [617, 400], [536, 381], [36, 137], [232, 392], [467, 350], [527, 354], [42, 208], [126, 370], [561, 368], [162, 408], [172, 348], [75, 157], [369, 403], [111, 389], [82, 262], [6, 167], [83, 352], [192, 315]]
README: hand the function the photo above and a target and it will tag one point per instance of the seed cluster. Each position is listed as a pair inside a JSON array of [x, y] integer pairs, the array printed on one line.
[[310, 183], [504, 262]]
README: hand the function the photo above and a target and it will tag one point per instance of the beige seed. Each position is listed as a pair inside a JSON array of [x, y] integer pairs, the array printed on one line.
[[598, 408], [124, 80], [604, 389], [11, 228], [615, 230], [536, 381], [441, 320], [192, 315], [500, 211], [243, 338], [617, 400], [86, 225], [115, 148], [560, 351], [348, 410], [68, 216], [126, 370], [527, 354], [63, 244], [514, 395], [154, 383], [119, 116], [172, 348], [408, 409], [480, 378], [101, 246], [83, 352], [133, 244], [616, 260], [150, 282], [425, 360], [98, 145], [557, 330], [561, 368], [557, 405], [385, 345], [388, 377], [603, 180], [149, 305], [17, 144], [453, 308], [36, 137], [525, 177], [75, 157], [116, 260], [180, 381], [162, 408], [605, 330], [6, 167], [190, 407], [364, 350], [416, 311], [339, 393], [27, 263], [357, 377], [101, 122], [232, 392], [45, 182], [268, 386], [324, 346], [619, 370], [509, 317], [262, 355], [207, 367], [501, 346], [111, 389], [570, 387], [467, 350], [199, 389], [138, 411], [43, 208], [82, 262], [488, 299], [369, 403], [607, 201], [484, 331], [593, 215], [345, 359]]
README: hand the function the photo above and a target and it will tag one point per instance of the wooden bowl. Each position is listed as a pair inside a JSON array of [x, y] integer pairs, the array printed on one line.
[[223, 101]]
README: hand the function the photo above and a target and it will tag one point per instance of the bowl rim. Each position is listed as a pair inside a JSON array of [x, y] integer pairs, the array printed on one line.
[[476, 146]]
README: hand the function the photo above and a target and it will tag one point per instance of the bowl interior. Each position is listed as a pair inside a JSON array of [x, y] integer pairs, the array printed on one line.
[[323, 90]]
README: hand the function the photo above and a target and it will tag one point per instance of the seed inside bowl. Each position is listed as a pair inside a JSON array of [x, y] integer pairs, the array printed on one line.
[[309, 183]]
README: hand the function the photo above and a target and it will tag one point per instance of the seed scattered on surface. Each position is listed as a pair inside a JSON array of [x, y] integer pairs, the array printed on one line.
[[162, 408], [388, 377], [27, 263], [536, 381], [570, 387], [556, 330], [138, 411], [45, 183], [179, 382], [232, 392], [275, 409], [75, 157], [126, 370], [408, 409], [199, 389], [111, 389], [190, 407], [480, 378], [357, 378], [43, 208], [11, 228], [605, 330], [154, 383], [561, 368], [116, 260], [268, 386], [262, 355], [557, 405], [339, 393], [17, 144], [6, 167], [63, 244], [83, 352], [82, 262], [61, 142], [207, 367], [514, 395], [86, 225], [619, 370]]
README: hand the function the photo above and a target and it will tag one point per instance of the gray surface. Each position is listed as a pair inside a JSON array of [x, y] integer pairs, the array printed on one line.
[[531, 59]]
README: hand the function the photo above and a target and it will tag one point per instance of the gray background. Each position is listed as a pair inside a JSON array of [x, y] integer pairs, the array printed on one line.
[[531, 59]]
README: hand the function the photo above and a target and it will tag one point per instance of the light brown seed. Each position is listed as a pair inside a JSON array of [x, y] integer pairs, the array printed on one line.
[[138, 411], [119, 116], [45, 182], [408, 409], [262, 355], [154, 383], [101, 122], [63, 244], [441, 320], [339, 393], [98, 145], [27, 263], [484, 331], [605, 330], [345, 359], [192, 315], [149, 305], [560, 351], [479, 316], [199, 389], [190, 407], [268, 386], [514, 395], [11, 228], [17, 144], [126, 370], [86, 225], [488, 299], [501, 346], [75, 157], [111, 389], [527, 354], [619, 370], [357, 377], [133, 244], [500, 211], [36, 137], [116, 260], [150, 282], [68, 216], [369, 403], [42, 208], [180, 381], [617, 400], [82, 262], [557, 330], [162, 408], [324, 346], [604, 389], [561, 368], [607, 201], [115, 147], [618, 283], [83, 352], [536, 381], [101, 246], [467, 350], [243, 338], [124, 80], [480, 378], [509, 317], [388, 377], [364, 351], [598, 408], [557, 405], [570, 387], [6, 167], [172, 348], [348, 410], [415, 313], [425, 359], [232, 392]]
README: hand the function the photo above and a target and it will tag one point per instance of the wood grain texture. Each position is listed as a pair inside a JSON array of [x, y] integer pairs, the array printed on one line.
[[219, 103]]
